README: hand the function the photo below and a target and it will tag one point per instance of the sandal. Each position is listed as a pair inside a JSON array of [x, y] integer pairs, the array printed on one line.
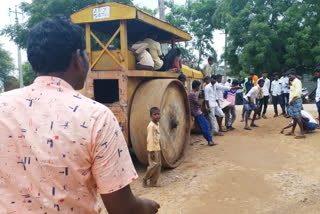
[[212, 144], [248, 128], [254, 125]]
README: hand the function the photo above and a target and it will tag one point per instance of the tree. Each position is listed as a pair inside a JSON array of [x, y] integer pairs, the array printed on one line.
[[268, 35], [28, 74], [6, 64], [195, 18], [148, 10], [301, 27]]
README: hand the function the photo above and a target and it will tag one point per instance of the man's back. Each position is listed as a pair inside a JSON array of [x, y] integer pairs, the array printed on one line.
[[155, 51], [247, 85], [58, 148], [144, 57], [266, 86], [295, 89]]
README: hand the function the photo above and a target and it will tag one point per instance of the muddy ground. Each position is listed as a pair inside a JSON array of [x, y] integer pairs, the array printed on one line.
[[249, 172]]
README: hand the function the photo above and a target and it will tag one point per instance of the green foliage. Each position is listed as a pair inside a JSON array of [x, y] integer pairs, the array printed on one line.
[[268, 35], [148, 10], [195, 18], [263, 35], [6, 64], [28, 74]]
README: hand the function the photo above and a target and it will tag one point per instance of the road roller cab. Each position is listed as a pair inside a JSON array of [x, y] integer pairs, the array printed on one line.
[[114, 81]]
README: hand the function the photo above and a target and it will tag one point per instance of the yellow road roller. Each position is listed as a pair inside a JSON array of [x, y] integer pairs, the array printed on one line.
[[114, 81]]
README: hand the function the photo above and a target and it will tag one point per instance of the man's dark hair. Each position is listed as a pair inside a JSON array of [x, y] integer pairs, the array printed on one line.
[[210, 58], [265, 72], [213, 76], [229, 80], [206, 78], [292, 71], [196, 84], [276, 74], [251, 73], [284, 70], [218, 76], [154, 109], [235, 82], [260, 81], [51, 44], [182, 77]]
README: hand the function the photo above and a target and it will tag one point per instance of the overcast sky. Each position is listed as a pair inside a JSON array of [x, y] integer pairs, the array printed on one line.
[[5, 19]]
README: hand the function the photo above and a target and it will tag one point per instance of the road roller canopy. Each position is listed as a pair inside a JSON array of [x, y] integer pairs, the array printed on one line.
[[105, 18]]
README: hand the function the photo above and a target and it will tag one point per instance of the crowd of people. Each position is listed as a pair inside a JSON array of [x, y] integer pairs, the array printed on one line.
[[212, 100], [219, 101]]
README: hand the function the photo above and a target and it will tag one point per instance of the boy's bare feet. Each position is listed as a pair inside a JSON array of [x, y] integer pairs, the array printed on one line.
[[154, 185], [290, 134], [282, 131], [145, 183]]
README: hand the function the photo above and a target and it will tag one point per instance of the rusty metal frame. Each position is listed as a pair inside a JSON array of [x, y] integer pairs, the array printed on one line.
[[105, 48]]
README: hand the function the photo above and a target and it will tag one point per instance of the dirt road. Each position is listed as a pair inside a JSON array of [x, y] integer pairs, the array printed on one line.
[[249, 172]]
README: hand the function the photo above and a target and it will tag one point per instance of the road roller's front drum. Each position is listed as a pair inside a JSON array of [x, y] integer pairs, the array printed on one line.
[[171, 97]]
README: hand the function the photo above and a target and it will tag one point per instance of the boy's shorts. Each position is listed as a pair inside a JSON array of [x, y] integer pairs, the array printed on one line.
[[248, 107], [294, 110], [309, 126]]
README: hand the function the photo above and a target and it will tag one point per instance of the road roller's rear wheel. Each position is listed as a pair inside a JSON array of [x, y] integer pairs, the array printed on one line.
[[172, 99]]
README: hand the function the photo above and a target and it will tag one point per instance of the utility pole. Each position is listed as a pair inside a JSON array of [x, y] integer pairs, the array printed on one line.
[[225, 55], [162, 16], [161, 9], [19, 51]]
